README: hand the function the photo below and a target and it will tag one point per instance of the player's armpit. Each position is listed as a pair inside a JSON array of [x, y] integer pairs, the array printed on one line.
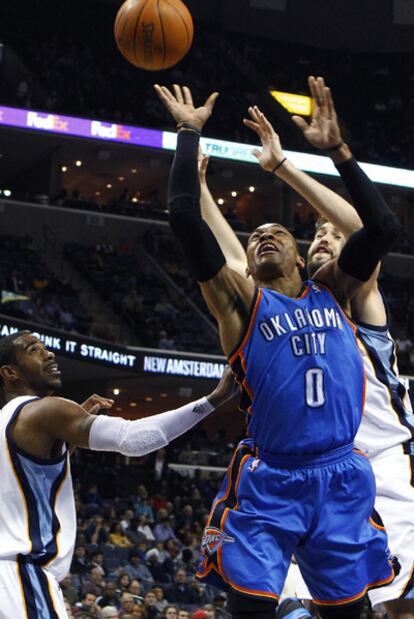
[[367, 305], [229, 297]]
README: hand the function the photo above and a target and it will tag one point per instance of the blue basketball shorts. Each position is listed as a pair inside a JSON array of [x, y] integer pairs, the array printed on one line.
[[318, 508]]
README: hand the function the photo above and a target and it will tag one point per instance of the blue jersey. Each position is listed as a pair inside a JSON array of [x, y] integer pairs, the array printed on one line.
[[301, 373]]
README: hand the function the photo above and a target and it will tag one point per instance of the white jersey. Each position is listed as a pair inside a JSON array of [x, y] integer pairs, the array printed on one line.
[[387, 418], [37, 515]]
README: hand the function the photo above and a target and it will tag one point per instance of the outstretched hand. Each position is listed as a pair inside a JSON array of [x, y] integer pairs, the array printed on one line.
[[97, 402], [181, 106], [323, 132], [271, 154]]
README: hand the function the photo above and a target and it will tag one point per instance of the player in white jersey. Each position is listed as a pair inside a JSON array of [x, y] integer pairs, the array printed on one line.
[[387, 429], [37, 515]]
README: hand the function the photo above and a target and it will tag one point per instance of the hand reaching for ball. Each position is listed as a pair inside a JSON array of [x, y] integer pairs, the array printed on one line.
[[181, 106]]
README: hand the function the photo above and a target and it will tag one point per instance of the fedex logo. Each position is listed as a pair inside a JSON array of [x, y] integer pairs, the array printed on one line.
[[50, 122], [109, 131]]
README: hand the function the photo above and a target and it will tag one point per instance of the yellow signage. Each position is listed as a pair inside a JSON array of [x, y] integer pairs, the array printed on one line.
[[295, 104]]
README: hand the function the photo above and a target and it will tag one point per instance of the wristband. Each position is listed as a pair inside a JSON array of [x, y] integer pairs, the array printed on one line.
[[279, 164], [189, 126], [332, 149]]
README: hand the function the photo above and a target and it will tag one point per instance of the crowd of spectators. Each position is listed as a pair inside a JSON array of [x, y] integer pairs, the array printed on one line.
[[29, 291], [160, 316], [138, 540]]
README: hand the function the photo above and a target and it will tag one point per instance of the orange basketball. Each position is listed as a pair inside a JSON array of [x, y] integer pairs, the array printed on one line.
[[153, 34]]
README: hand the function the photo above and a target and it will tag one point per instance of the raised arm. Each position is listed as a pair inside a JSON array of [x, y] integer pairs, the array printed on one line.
[[227, 294], [225, 235], [364, 249], [325, 201]]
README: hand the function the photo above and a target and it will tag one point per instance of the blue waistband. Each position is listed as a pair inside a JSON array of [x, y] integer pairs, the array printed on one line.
[[299, 461]]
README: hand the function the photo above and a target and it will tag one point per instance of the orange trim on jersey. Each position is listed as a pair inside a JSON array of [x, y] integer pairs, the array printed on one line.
[[264, 594], [304, 293], [227, 492], [347, 318], [249, 330], [361, 453], [245, 384], [375, 524], [227, 511], [378, 583], [21, 587], [23, 496]]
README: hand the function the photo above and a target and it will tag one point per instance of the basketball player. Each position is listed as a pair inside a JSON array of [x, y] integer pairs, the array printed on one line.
[[387, 427], [37, 515], [295, 485], [385, 434]]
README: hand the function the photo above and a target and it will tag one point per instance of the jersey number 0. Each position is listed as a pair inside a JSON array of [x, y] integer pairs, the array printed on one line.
[[314, 387]]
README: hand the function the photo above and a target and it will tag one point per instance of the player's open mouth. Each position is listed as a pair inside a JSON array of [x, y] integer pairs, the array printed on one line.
[[53, 370], [267, 248]]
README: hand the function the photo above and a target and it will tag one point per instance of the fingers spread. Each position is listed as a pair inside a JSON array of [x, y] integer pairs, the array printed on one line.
[[188, 98], [178, 93], [252, 125], [209, 104], [300, 122]]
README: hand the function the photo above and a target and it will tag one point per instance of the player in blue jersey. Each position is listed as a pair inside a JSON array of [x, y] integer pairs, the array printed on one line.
[[296, 484], [386, 431]]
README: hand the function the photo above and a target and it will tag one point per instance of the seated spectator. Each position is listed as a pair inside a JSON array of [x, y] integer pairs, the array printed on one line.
[[87, 604], [145, 529], [92, 500], [170, 612], [172, 562], [95, 583], [80, 562], [110, 596], [117, 536], [136, 569], [163, 531], [98, 561], [139, 612], [185, 614], [180, 592], [154, 565], [198, 614], [142, 506], [126, 519], [123, 583], [161, 601], [150, 605], [96, 532], [108, 612], [127, 604], [68, 590], [135, 589]]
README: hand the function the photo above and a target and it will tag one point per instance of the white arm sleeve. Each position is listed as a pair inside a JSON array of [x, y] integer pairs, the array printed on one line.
[[140, 437]]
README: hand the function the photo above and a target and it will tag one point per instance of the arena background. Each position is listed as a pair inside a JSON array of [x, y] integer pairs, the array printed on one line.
[[86, 256]]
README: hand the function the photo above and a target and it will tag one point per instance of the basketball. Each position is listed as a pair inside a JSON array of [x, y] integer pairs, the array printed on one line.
[[153, 34]]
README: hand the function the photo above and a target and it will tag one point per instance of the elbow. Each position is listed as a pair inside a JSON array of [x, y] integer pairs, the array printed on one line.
[[391, 232]]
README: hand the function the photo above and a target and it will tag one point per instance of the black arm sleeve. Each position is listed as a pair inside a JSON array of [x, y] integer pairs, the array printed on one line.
[[365, 248], [203, 253]]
